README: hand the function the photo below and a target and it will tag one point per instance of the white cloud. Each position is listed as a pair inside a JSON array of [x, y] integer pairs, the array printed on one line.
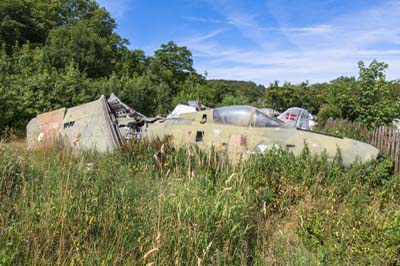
[[248, 21], [310, 29], [205, 20], [313, 52], [117, 8], [204, 37], [265, 67]]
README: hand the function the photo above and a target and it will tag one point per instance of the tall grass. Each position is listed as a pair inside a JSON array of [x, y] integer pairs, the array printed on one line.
[[150, 203]]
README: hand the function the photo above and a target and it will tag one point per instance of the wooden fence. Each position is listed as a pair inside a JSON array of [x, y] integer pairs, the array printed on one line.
[[387, 140]]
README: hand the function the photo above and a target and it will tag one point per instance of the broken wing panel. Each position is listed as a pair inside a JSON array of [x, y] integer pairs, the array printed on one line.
[[42, 131], [90, 126], [122, 110]]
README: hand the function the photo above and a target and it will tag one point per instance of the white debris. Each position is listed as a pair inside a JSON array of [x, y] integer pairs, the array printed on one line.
[[181, 109]]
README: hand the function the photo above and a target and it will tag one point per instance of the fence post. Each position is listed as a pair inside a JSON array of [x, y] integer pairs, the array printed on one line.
[[396, 153]]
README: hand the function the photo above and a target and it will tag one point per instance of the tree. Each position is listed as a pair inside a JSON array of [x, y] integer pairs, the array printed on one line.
[[131, 62], [172, 64], [177, 59], [374, 106], [196, 88], [170, 71], [282, 97], [366, 99], [342, 98], [24, 20], [245, 92], [92, 54]]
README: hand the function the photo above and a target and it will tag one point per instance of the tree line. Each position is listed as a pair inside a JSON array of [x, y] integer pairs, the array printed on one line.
[[66, 52]]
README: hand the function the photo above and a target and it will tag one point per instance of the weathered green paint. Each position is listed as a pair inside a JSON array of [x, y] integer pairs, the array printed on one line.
[[94, 126], [91, 127], [250, 139]]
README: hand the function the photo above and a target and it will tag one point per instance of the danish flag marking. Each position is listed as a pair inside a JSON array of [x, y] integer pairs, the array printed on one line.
[[291, 117]]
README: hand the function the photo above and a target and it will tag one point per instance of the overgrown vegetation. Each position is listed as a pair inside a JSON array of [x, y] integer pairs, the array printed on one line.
[[151, 203], [345, 128]]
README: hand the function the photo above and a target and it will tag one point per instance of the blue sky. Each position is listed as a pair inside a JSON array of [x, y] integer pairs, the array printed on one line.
[[267, 40]]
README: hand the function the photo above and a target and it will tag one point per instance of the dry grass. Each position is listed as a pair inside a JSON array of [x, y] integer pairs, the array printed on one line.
[[149, 204]]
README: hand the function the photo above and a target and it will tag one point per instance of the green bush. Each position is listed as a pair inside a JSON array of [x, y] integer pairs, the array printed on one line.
[[345, 128]]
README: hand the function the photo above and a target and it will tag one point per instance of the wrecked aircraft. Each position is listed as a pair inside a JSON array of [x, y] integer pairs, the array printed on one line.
[[106, 124]]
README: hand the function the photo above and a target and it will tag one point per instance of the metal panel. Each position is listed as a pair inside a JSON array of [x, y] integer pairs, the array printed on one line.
[[43, 130], [90, 126]]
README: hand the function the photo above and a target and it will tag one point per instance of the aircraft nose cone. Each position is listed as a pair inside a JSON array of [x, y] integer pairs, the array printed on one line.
[[364, 151], [371, 153]]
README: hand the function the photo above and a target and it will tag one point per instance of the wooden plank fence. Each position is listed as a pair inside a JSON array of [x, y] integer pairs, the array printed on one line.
[[387, 140]]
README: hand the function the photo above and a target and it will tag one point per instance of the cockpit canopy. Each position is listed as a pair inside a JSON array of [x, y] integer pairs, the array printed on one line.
[[243, 116]]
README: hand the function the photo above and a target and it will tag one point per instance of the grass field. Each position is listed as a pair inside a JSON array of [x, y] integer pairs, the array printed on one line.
[[151, 204]]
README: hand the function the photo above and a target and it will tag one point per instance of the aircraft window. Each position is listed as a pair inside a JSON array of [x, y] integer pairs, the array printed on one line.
[[304, 120], [233, 115], [203, 119], [262, 120], [199, 136]]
